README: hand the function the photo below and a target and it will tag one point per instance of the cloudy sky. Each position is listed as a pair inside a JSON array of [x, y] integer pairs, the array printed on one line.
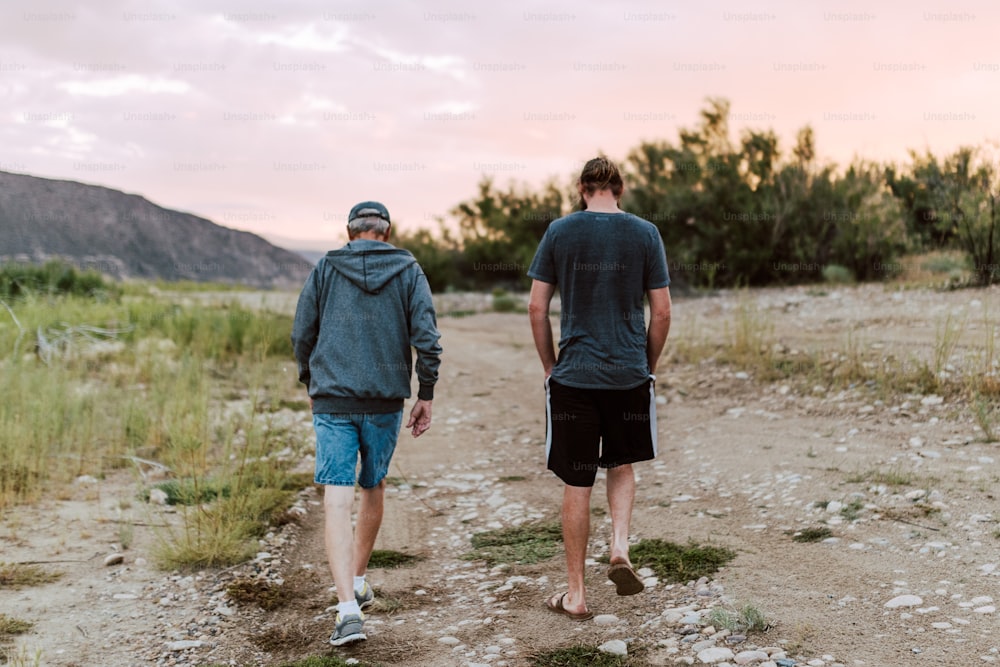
[[276, 117]]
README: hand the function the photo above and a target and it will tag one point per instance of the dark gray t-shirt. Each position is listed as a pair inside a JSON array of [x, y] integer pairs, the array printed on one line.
[[603, 264]]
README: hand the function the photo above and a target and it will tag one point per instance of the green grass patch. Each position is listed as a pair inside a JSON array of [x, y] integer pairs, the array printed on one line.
[[17, 576], [575, 656], [512, 478], [811, 534], [526, 544], [679, 563], [386, 558], [852, 510], [326, 661]]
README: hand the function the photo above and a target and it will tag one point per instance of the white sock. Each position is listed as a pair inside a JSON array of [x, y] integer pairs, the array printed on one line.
[[345, 608], [359, 584]]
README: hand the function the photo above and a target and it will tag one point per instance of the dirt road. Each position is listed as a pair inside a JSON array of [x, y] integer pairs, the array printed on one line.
[[905, 484]]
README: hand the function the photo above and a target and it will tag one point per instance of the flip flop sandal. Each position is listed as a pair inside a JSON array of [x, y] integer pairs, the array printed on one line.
[[557, 606], [626, 581]]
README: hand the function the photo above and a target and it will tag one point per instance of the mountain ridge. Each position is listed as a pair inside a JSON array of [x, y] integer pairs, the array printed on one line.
[[125, 236]]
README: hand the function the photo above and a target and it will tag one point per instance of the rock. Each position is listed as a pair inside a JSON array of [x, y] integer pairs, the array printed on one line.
[[184, 644], [702, 645], [114, 559], [749, 657], [158, 497], [605, 619], [904, 601], [710, 656], [449, 641], [614, 647]]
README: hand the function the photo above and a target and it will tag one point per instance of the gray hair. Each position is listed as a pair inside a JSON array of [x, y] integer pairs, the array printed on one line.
[[368, 223]]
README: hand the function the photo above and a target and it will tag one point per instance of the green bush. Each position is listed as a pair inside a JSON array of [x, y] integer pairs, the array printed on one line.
[[837, 274], [19, 280]]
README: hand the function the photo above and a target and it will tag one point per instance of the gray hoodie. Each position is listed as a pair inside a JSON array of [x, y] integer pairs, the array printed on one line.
[[360, 312]]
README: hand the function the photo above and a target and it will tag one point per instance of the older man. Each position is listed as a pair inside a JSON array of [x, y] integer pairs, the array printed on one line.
[[360, 312]]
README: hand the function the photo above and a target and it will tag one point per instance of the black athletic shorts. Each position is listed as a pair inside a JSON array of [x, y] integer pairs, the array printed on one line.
[[587, 429]]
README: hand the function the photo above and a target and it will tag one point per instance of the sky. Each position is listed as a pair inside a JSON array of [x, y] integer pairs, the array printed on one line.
[[277, 117]]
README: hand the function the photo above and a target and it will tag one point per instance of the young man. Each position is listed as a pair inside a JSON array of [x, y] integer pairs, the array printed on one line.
[[360, 312], [599, 392]]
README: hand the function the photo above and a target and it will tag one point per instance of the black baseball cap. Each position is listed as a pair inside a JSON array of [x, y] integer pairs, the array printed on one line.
[[369, 208]]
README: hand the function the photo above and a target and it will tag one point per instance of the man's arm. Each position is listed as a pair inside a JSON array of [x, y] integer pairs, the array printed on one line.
[[424, 338], [659, 325], [541, 327], [305, 327]]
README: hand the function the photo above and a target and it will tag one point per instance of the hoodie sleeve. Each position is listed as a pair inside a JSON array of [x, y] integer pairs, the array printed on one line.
[[305, 327], [424, 335]]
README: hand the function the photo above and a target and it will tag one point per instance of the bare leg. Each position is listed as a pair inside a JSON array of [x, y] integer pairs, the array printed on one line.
[[621, 497], [576, 531], [339, 537], [369, 521]]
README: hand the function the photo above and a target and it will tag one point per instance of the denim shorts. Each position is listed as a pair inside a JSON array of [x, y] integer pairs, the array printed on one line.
[[340, 438]]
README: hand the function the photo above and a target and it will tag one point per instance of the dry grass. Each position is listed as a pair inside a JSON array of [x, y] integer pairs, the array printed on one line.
[[15, 576]]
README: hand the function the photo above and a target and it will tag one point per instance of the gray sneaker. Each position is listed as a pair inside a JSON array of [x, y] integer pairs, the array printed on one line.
[[349, 629], [366, 597]]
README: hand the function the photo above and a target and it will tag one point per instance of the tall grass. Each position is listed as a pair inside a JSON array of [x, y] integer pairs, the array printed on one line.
[[159, 387]]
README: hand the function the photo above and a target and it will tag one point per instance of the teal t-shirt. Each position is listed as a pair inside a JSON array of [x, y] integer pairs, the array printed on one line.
[[603, 264]]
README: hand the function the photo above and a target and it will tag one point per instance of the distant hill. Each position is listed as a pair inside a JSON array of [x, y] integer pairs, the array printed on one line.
[[127, 236], [311, 249]]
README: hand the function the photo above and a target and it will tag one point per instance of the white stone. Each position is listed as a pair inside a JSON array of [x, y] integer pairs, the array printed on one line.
[[904, 601], [605, 619], [710, 656], [158, 497], [614, 647], [114, 559], [988, 609], [933, 399], [184, 644], [748, 657], [450, 641]]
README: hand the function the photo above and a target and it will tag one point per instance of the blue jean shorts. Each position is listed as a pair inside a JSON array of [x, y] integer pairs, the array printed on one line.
[[341, 438]]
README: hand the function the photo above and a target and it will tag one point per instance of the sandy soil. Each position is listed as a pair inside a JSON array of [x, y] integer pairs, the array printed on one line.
[[743, 464]]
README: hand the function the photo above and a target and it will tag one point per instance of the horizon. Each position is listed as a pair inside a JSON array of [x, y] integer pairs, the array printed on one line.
[[277, 121]]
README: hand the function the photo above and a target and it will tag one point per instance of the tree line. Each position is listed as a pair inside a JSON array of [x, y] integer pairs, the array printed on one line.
[[736, 213]]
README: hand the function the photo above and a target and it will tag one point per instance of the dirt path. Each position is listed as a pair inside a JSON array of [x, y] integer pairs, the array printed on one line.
[[906, 486]]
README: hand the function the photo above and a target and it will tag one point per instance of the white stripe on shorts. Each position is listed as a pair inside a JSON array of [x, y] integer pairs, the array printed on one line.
[[548, 421], [652, 412]]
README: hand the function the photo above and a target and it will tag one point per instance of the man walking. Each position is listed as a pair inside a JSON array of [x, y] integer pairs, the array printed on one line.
[[360, 312], [600, 410]]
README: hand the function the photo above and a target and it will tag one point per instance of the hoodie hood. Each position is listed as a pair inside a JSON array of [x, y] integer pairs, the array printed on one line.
[[370, 264]]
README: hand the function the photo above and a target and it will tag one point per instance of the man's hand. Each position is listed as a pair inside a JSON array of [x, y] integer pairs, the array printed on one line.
[[420, 418]]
